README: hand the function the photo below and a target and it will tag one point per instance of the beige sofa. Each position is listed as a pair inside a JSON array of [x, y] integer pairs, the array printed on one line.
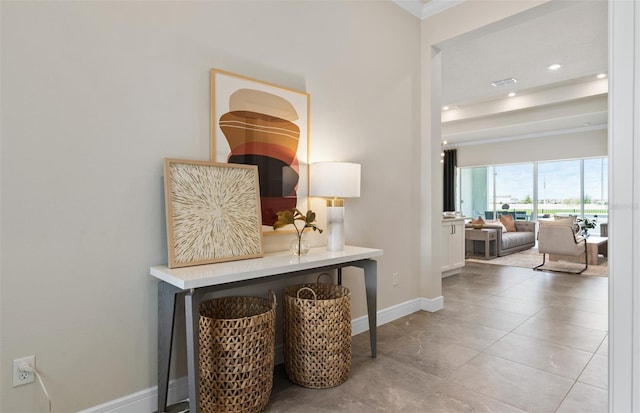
[[510, 242]]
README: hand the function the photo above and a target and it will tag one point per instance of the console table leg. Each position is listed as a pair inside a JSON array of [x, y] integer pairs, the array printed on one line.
[[192, 314], [167, 295], [370, 268]]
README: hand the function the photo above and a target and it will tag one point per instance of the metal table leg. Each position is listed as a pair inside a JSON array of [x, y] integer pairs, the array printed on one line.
[[370, 268], [371, 286], [167, 297], [191, 312]]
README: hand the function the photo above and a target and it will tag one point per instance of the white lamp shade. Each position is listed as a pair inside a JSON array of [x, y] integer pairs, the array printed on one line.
[[334, 179]]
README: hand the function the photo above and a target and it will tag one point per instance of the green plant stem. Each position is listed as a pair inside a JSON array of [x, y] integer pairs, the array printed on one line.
[[299, 233]]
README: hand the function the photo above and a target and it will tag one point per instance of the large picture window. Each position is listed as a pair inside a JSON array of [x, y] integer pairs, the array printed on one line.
[[536, 190]]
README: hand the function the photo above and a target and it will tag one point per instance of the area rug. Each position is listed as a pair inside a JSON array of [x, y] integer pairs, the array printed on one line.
[[531, 257]]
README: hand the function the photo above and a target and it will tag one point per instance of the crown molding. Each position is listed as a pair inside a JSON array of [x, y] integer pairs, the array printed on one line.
[[423, 10]]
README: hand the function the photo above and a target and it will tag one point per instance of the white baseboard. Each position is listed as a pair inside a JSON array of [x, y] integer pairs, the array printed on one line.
[[144, 400], [432, 304], [361, 324], [147, 400]]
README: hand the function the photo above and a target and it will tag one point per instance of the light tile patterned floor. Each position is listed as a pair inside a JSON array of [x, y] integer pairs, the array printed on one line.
[[508, 340]]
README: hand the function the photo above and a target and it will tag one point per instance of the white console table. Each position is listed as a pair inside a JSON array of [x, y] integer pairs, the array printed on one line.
[[188, 285]]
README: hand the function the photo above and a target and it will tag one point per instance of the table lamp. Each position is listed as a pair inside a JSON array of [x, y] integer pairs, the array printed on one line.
[[335, 180]]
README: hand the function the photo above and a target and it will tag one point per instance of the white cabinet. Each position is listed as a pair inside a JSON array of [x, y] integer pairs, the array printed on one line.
[[452, 246]]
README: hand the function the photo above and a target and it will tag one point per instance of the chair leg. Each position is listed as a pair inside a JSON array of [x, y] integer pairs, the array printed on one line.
[[544, 258], [586, 259]]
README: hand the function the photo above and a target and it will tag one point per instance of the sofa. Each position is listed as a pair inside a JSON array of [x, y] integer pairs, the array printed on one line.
[[509, 242]]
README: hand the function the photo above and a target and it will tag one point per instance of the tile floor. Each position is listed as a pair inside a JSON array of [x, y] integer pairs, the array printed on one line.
[[508, 340]]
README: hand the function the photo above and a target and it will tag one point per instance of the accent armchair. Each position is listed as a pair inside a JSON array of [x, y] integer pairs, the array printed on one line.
[[555, 238]]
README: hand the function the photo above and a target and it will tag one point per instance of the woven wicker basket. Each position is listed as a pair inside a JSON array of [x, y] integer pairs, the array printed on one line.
[[317, 334], [236, 353]]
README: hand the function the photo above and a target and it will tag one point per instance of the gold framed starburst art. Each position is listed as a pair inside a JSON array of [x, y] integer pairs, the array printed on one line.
[[212, 212]]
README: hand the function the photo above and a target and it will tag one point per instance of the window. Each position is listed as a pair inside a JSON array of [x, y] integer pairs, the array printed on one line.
[[536, 190], [559, 188], [513, 192], [596, 190]]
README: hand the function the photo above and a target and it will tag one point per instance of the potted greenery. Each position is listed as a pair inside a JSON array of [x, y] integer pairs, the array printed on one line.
[[289, 217], [584, 225]]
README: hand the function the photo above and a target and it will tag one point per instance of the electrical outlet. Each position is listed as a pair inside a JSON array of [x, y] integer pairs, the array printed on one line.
[[20, 376], [395, 279]]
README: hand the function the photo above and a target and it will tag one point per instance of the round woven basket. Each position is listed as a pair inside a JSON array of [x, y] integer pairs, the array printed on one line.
[[236, 353], [317, 334]]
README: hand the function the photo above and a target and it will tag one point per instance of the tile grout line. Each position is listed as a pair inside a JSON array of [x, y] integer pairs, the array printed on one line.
[[544, 305], [506, 333], [512, 331], [580, 374]]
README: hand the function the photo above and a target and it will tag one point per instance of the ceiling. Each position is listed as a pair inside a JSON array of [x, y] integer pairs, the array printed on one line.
[[572, 33], [569, 32]]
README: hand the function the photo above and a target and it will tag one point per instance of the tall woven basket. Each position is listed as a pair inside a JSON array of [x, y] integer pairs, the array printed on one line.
[[317, 334], [236, 353]]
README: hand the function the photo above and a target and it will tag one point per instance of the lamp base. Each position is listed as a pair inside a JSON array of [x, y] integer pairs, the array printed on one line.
[[335, 228]]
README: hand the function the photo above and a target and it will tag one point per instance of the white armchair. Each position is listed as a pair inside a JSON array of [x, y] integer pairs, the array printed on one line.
[[559, 238]]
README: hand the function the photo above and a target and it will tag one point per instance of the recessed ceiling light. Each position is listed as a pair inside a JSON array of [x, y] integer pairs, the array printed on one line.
[[601, 75], [512, 94], [554, 66], [445, 108]]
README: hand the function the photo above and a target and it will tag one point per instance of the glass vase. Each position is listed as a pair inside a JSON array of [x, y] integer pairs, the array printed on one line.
[[299, 246]]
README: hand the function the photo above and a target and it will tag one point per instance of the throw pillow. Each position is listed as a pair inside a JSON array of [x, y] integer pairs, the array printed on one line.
[[507, 221], [498, 223]]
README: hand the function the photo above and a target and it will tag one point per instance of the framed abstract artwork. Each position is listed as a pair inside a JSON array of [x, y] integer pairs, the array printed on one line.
[[262, 124], [212, 212]]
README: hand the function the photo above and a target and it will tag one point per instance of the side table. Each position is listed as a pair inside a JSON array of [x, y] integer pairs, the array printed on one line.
[[486, 235], [187, 286], [593, 247]]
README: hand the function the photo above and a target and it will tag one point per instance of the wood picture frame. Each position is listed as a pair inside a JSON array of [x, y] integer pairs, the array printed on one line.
[[212, 212], [259, 123]]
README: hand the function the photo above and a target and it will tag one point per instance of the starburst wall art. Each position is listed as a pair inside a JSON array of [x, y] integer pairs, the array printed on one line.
[[212, 212]]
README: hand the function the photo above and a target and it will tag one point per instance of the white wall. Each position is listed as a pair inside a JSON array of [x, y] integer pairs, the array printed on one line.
[[453, 22], [96, 94], [624, 201]]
